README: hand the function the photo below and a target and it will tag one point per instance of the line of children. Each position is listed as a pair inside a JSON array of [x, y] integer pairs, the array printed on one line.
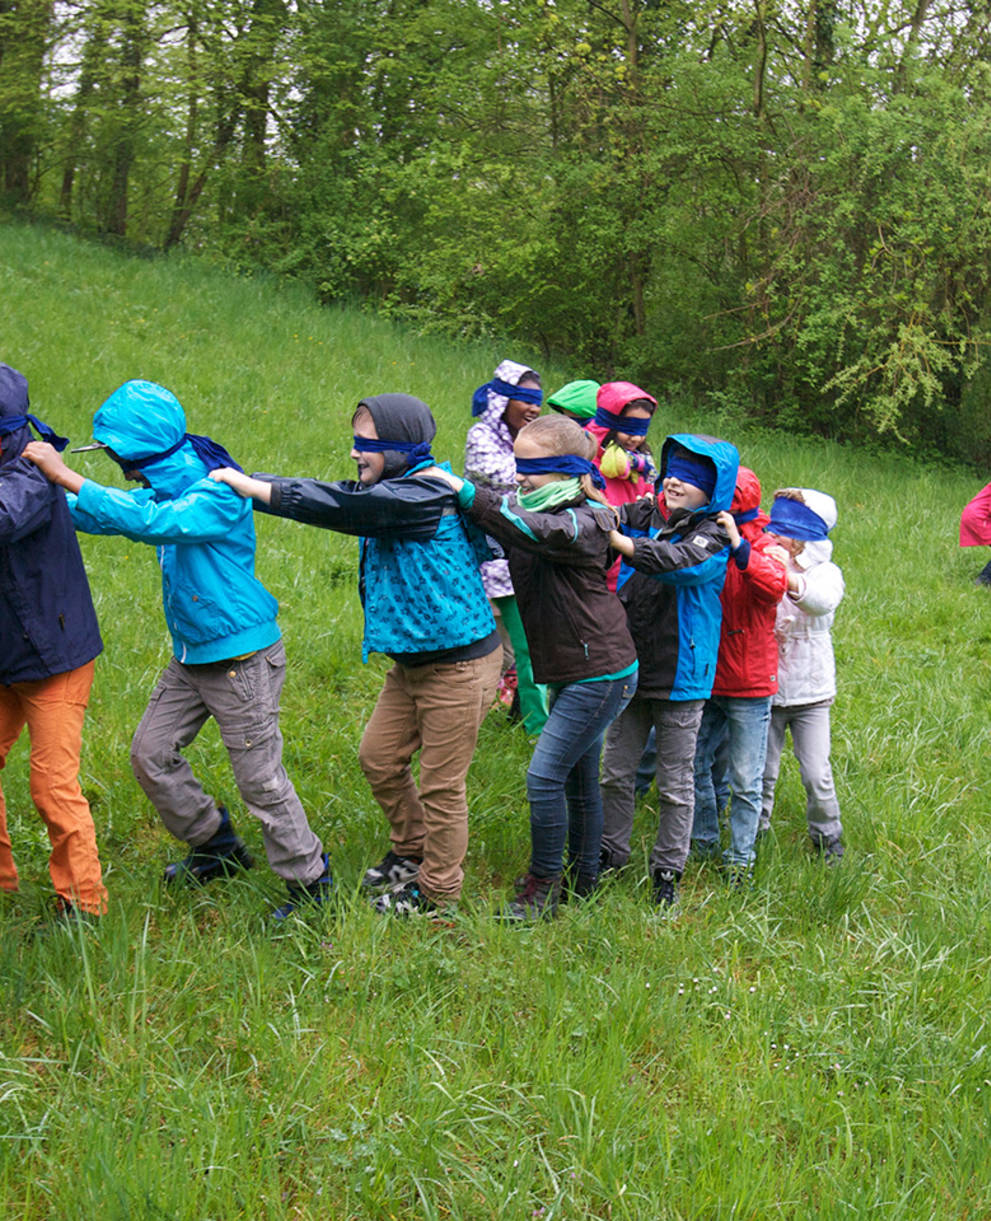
[[425, 607]]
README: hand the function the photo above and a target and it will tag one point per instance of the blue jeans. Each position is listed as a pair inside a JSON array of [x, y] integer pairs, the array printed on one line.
[[744, 721], [562, 782]]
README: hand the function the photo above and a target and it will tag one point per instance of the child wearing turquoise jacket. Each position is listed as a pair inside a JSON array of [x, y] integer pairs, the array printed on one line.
[[228, 659]]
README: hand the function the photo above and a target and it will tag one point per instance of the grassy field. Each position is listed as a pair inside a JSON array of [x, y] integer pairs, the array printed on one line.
[[817, 1048]]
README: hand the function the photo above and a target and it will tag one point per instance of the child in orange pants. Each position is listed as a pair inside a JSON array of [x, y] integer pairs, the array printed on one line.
[[49, 639]]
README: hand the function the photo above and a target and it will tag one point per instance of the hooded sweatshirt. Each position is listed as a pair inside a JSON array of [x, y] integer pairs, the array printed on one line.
[[806, 664], [490, 463], [671, 586], [203, 531], [47, 622], [755, 584], [418, 575]]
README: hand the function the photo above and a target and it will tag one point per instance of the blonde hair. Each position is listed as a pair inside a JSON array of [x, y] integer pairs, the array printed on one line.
[[559, 435]]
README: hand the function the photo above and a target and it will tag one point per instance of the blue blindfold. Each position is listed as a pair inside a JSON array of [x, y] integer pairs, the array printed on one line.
[[792, 519], [523, 394], [692, 470], [634, 426], [560, 464], [12, 423], [416, 452]]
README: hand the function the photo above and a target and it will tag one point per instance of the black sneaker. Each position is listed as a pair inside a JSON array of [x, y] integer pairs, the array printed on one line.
[[831, 850], [535, 899], [408, 899], [303, 899], [68, 914], [392, 870], [223, 854], [665, 888], [984, 576]]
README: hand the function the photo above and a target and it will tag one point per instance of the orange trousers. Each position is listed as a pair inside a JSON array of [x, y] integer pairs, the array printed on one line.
[[53, 710]]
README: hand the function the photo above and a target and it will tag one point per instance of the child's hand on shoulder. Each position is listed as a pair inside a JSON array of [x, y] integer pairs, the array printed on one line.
[[437, 472], [728, 523], [778, 554]]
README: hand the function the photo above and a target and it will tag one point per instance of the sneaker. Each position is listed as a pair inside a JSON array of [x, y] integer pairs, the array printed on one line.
[[391, 870], [984, 576], [578, 886], [303, 897], [738, 877], [535, 899], [665, 887], [223, 854], [408, 899], [831, 850]]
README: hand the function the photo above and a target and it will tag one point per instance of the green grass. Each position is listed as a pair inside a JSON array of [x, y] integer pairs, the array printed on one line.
[[816, 1048]]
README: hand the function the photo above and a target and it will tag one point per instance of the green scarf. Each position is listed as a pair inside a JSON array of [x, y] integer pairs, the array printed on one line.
[[551, 495]]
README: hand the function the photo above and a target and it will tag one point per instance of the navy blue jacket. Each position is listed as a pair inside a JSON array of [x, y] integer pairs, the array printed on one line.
[[47, 621], [672, 593]]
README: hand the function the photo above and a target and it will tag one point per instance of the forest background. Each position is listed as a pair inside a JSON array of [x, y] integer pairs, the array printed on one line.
[[779, 211]]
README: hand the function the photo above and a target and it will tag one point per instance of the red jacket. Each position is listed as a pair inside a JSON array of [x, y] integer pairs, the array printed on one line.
[[748, 650], [975, 521]]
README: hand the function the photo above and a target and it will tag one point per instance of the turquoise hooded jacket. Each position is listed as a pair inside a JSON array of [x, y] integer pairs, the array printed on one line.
[[203, 532]]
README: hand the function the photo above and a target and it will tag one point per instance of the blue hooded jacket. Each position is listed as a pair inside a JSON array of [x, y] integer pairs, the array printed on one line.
[[47, 622], [671, 586], [203, 531]]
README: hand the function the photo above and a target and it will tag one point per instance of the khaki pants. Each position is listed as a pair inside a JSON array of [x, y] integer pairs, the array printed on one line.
[[436, 710], [53, 710]]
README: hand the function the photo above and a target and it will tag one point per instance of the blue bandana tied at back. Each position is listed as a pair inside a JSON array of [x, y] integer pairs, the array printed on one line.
[[632, 425], [210, 452], [523, 394], [561, 464], [792, 519], [12, 423]]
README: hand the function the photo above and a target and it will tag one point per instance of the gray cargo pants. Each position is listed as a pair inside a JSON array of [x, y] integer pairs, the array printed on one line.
[[242, 696], [677, 725]]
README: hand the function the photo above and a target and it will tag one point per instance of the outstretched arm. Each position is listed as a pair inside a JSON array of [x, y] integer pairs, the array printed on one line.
[[244, 485], [49, 461]]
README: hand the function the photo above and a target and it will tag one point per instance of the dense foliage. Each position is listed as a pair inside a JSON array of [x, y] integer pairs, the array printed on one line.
[[781, 208]]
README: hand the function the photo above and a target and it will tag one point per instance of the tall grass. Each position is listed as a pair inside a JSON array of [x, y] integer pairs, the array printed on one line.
[[818, 1047]]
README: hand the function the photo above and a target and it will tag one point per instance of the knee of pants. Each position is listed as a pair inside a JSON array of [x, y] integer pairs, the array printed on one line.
[[50, 794], [378, 767], [150, 760]]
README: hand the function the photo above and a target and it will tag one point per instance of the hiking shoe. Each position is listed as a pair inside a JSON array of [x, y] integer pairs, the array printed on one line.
[[392, 870], [223, 854], [408, 899], [535, 899], [303, 897], [665, 887], [831, 850]]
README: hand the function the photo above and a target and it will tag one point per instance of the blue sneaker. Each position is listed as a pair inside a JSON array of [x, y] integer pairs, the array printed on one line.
[[304, 900]]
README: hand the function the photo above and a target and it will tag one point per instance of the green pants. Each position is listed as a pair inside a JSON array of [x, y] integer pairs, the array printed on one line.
[[533, 696]]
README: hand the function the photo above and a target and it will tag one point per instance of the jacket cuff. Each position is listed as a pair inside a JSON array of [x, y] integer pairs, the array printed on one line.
[[466, 494], [741, 555]]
